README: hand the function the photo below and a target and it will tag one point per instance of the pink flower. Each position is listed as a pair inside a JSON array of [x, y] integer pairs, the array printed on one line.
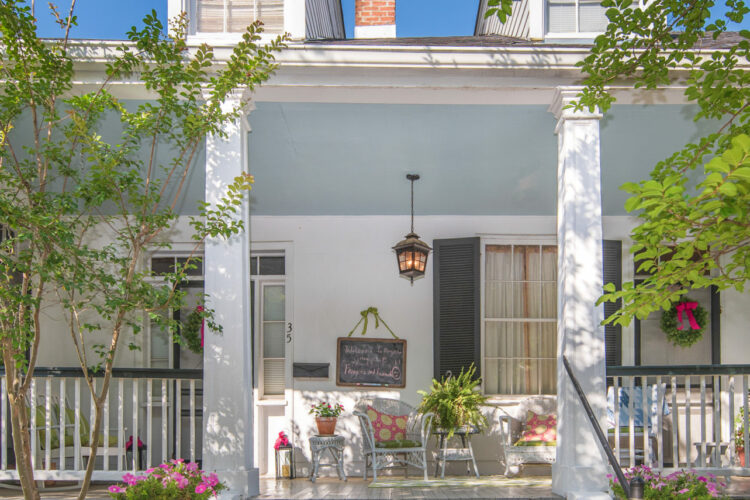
[[191, 467], [150, 470], [683, 490], [201, 488], [181, 480], [165, 466], [129, 479], [211, 480], [116, 489]]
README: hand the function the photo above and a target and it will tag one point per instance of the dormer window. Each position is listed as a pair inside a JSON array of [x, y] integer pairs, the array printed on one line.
[[580, 17], [233, 16]]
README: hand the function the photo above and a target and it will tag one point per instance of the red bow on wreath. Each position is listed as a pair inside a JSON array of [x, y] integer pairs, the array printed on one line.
[[687, 308]]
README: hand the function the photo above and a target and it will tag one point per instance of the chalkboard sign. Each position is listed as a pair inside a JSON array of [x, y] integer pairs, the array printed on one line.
[[371, 362]]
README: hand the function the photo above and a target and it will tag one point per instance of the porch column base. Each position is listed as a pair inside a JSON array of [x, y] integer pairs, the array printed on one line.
[[579, 483], [242, 483]]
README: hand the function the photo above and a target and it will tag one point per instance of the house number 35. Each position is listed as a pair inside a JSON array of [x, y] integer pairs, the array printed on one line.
[[288, 333]]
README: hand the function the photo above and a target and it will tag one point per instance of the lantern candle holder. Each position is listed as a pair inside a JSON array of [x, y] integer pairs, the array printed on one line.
[[285, 462]]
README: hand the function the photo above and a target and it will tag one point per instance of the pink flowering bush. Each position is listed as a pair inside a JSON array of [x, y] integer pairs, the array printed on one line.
[[174, 480], [681, 485]]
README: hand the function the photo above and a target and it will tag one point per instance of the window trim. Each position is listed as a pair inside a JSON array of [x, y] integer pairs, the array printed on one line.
[[229, 37], [506, 239]]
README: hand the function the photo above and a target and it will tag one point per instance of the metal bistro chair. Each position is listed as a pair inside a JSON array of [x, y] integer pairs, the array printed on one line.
[[381, 454]]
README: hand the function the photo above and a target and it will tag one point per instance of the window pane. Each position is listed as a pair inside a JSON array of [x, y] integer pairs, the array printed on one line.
[[273, 340], [271, 12], [162, 265], [253, 265], [526, 263], [273, 377], [549, 263], [561, 16], [196, 266], [272, 265], [526, 300], [549, 300], [160, 343], [210, 16], [273, 303], [499, 300], [592, 16], [498, 262], [239, 15]]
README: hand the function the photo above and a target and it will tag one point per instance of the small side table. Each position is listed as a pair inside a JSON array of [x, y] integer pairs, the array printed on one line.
[[335, 446], [465, 453]]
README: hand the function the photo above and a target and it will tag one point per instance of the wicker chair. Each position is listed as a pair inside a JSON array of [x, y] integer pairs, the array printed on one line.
[[410, 451], [512, 424]]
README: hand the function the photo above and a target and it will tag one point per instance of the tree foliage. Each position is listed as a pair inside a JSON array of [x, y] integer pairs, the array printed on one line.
[[694, 210], [80, 209]]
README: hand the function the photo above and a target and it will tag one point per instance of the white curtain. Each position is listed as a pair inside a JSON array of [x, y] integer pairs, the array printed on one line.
[[520, 312]]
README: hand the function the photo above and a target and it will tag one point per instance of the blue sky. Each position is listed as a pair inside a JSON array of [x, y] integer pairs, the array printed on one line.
[[110, 19]]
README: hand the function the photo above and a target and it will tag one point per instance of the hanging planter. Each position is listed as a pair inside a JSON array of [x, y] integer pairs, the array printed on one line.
[[192, 330], [684, 323]]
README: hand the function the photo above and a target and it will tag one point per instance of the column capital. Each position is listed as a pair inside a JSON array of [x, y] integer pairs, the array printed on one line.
[[241, 98], [564, 96]]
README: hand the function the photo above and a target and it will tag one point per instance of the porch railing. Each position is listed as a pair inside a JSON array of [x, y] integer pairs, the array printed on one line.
[[687, 418], [162, 408]]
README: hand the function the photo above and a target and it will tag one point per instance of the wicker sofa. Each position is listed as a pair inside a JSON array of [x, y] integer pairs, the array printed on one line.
[[512, 425]]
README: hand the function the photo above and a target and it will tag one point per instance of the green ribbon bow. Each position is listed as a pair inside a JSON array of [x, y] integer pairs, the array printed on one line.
[[378, 320]]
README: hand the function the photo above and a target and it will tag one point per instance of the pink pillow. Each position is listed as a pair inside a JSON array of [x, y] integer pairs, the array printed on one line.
[[540, 430], [387, 427]]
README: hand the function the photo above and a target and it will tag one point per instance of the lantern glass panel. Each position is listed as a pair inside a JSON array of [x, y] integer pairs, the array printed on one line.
[[284, 463]]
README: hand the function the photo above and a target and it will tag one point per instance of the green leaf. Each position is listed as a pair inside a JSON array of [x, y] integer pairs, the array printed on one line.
[[728, 189]]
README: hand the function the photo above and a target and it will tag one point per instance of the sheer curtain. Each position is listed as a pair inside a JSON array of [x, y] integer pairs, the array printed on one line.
[[520, 319]]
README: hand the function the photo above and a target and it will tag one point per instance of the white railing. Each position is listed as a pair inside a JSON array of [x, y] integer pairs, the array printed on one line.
[[161, 408], [691, 417]]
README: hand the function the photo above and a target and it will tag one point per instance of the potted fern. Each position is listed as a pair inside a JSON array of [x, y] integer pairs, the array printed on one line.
[[456, 402]]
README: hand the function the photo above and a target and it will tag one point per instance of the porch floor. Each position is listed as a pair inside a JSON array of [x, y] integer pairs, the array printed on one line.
[[357, 488]]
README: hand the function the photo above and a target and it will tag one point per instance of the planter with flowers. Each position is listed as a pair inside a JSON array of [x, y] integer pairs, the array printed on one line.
[[325, 417], [678, 485], [175, 479]]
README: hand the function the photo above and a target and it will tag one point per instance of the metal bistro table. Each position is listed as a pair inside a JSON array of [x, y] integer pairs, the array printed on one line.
[[465, 453], [335, 446]]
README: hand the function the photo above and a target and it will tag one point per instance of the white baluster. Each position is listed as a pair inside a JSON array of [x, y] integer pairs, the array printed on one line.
[[63, 429], [77, 425], [178, 418], [105, 425], [32, 403], [135, 423], [702, 454], [688, 426], [192, 420], [47, 423], [675, 424], [164, 420], [120, 423], [3, 426], [149, 419]]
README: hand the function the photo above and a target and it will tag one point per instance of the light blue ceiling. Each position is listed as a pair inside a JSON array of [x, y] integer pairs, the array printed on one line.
[[351, 159]]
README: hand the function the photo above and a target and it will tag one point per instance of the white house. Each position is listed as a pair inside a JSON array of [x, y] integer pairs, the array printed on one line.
[[516, 196]]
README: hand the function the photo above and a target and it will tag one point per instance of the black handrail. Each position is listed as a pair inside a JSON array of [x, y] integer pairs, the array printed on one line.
[[597, 429], [136, 373], [636, 371]]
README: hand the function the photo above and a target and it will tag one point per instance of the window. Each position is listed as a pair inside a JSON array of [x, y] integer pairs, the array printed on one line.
[[269, 319], [162, 351], [233, 16], [520, 319], [575, 16]]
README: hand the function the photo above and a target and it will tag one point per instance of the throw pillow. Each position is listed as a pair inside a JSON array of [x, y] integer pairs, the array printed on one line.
[[540, 430], [387, 427]]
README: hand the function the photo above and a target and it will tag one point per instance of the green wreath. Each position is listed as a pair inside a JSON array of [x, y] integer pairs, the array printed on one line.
[[191, 330], [687, 336]]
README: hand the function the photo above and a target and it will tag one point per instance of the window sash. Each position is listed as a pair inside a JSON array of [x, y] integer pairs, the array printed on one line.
[[520, 319], [233, 16]]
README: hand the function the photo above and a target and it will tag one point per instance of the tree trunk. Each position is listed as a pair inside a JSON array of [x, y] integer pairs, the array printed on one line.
[[94, 442], [22, 446]]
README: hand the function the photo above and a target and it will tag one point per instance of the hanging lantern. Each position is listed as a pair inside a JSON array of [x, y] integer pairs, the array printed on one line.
[[411, 252]]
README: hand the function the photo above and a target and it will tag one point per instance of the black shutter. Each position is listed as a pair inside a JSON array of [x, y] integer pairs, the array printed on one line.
[[456, 306], [612, 273]]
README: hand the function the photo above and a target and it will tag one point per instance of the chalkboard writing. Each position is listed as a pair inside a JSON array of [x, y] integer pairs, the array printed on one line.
[[371, 362]]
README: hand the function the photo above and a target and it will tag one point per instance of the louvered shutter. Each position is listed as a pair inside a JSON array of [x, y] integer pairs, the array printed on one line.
[[612, 273], [456, 305]]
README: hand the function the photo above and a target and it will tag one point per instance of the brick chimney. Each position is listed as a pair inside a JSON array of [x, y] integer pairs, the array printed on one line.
[[375, 19]]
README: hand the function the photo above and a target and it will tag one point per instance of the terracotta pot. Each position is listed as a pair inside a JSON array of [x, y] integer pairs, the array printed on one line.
[[741, 456], [326, 425]]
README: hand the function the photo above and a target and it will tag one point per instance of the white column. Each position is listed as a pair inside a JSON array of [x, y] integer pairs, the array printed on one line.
[[580, 470], [227, 357]]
